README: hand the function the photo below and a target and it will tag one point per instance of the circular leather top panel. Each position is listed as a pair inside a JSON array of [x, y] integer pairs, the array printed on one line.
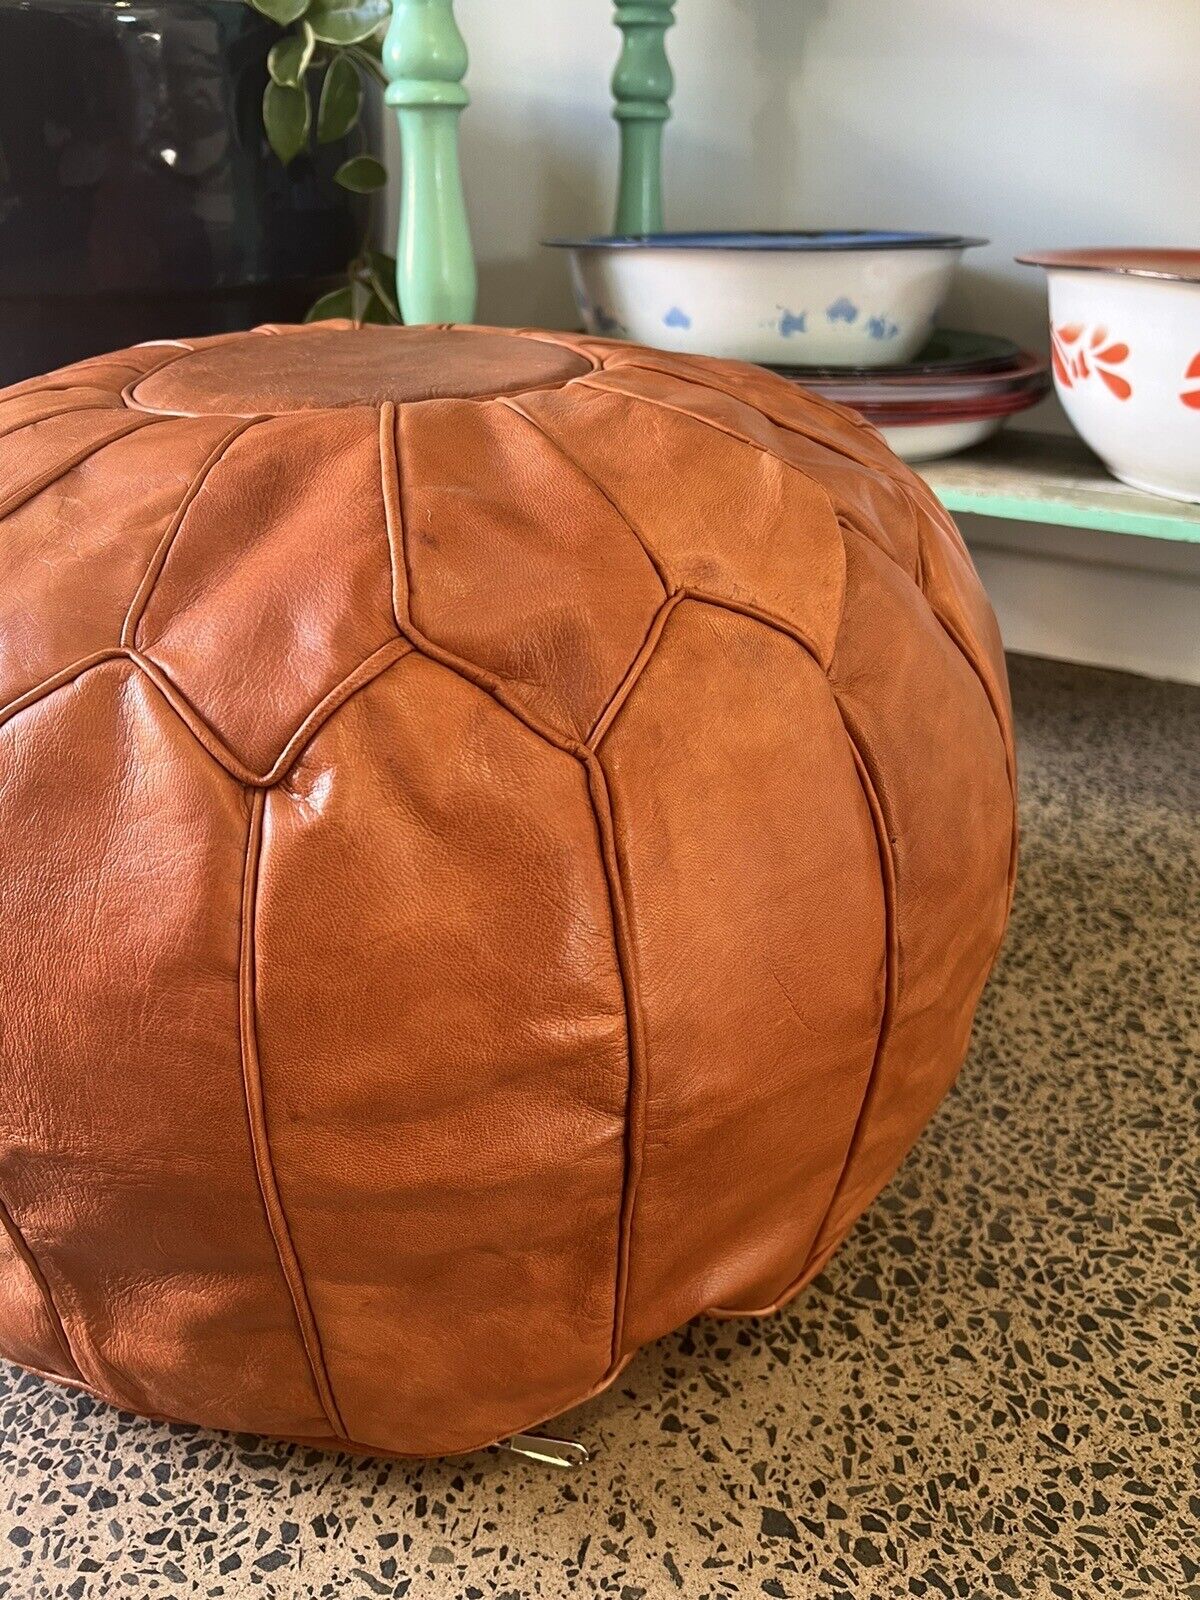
[[273, 373]]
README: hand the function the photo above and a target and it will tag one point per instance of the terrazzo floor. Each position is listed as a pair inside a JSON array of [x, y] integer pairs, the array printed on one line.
[[994, 1389]]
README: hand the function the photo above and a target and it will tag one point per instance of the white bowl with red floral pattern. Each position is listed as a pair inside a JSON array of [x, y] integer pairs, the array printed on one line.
[[1125, 351]]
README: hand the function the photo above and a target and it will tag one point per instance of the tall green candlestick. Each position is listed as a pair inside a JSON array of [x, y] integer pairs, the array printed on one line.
[[642, 85], [425, 59]]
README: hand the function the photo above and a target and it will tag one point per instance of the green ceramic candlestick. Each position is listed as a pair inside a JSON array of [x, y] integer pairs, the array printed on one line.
[[425, 59], [642, 84]]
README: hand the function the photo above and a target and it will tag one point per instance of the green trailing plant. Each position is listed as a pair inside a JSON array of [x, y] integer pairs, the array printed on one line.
[[318, 76]]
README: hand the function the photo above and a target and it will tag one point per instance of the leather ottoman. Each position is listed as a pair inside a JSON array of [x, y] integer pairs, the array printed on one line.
[[501, 838]]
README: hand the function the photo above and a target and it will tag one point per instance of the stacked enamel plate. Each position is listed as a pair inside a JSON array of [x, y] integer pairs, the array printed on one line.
[[956, 391]]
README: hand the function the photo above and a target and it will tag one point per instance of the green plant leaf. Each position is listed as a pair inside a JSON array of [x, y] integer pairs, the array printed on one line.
[[369, 63], [289, 59], [362, 174], [337, 303], [381, 270], [341, 101], [375, 311], [373, 45], [284, 12], [286, 115], [347, 21]]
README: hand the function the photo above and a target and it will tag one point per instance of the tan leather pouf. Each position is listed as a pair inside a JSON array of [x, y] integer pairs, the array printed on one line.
[[501, 838]]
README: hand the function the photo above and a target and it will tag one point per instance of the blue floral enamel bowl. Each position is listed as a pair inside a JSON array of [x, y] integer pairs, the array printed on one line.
[[855, 299]]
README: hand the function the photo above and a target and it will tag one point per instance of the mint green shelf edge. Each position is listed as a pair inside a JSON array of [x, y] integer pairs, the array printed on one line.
[[1148, 527], [1044, 478]]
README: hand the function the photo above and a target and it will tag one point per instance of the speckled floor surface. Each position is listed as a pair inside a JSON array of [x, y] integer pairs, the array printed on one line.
[[994, 1389]]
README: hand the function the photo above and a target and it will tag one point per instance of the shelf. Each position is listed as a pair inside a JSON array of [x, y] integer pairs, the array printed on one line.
[[1039, 477]]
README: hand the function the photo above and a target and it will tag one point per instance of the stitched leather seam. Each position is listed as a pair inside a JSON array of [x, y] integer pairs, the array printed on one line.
[[601, 811], [289, 1261], [176, 350], [636, 667], [644, 656], [717, 426], [951, 632], [758, 614], [317, 409], [393, 507], [578, 343], [916, 527], [145, 589], [888, 880], [742, 438], [57, 680], [950, 629], [1009, 764], [191, 718], [28, 386], [809, 1272], [393, 511], [917, 491], [659, 569], [132, 403], [21, 496], [830, 407], [891, 954], [560, 340], [53, 416], [819, 1253], [354, 1446], [21, 1245], [947, 628], [487, 681], [374, 666], [179, 348], [492, 686], [894, 478], [636, 1136], [635, 1095]]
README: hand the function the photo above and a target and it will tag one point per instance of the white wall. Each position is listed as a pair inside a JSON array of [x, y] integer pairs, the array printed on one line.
[[1034, 122]]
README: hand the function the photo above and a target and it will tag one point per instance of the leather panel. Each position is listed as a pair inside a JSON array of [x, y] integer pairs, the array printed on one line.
[[756, 904], [950, 829], [443, 1049], [72, 557], [745, 527], [278, 576], [870, 501], [112, 373], [124, 1153], [517, 562], [626, 834], [28, 1330]]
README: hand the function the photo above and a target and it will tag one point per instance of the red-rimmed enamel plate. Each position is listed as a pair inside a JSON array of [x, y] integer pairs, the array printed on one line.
[[1004, 406], [1183, 266]]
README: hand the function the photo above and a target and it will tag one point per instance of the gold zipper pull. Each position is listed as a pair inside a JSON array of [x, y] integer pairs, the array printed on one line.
[[564, 1453]]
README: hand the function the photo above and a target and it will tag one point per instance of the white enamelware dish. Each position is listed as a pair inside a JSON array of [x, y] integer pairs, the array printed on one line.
[[926, 441], [1125, 352], [851, 298]]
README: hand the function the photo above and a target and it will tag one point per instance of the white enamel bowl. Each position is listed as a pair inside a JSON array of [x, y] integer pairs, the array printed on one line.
[[929, 441], [1125, 351], [858, 299]]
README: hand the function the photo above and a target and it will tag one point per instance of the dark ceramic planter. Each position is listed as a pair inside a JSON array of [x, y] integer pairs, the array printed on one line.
[[138, 196]]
